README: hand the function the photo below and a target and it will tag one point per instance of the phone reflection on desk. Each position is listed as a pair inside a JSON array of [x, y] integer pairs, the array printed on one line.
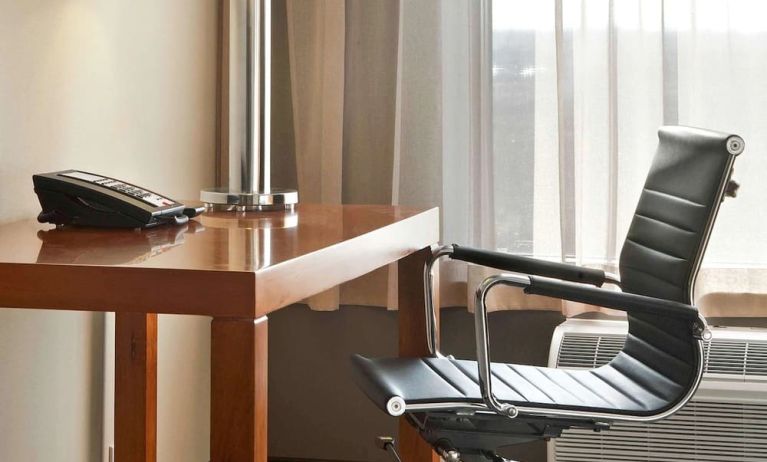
[[96, 246]]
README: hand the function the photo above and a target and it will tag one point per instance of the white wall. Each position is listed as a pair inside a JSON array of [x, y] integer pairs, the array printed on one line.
[[126, 88]]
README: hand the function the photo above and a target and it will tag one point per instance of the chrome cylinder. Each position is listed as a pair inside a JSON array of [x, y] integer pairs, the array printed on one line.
[[246, 112], [255, 158]]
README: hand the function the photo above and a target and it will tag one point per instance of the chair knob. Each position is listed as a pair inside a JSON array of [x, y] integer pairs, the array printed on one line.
[[731, 190]]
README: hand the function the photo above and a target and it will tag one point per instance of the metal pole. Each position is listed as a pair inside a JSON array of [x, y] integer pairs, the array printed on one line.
[[255, 162], [247, 46]]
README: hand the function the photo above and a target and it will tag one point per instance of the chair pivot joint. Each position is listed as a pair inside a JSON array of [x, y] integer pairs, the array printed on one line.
[[700, 329], [447, 452]]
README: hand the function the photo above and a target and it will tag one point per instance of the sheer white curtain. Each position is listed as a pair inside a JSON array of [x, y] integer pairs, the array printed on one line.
[[579, 90], [531, 124], [365, 86], [384, 103]]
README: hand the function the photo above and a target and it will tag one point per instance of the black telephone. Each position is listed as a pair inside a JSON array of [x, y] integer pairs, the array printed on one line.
[[72, 197]]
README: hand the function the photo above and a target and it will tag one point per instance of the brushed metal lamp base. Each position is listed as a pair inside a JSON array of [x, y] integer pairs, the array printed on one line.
[[246, 97], [224, 199]]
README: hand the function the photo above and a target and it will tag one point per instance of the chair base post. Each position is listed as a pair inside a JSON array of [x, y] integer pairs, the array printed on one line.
[[470, 438]]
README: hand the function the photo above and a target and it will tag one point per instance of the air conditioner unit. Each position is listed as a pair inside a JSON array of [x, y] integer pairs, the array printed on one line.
[[725, 421]]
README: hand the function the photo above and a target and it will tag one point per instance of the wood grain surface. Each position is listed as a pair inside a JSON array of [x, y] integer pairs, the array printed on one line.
[[222, 265], [135, 387], [413, 343], [239, 368]]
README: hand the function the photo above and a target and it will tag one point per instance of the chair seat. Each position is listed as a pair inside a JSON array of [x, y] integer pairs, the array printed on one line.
[[608, 389]]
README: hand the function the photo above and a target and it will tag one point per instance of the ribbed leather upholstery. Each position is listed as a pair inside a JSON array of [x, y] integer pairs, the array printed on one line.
[[676, 208], [659, 363], [439, 380], [663, 248]]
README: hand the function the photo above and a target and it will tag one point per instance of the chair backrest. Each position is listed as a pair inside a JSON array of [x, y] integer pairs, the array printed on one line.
[[676, 211], [661, 256]]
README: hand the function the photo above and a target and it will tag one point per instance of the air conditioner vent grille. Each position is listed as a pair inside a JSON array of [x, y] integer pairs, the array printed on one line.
[[730, 357], [588, 350], [736, 357], [701, 431]]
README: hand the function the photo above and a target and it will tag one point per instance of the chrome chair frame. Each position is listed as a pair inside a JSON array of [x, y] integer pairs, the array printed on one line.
[[491, 403], [454, 406]]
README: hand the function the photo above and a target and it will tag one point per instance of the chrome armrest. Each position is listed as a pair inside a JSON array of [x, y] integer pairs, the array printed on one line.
[[482, 335], [507, 262], [428, 283], [428, 287]]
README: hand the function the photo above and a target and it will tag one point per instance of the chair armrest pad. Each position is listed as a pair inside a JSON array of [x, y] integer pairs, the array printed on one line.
[[527, 265], [631, 303]]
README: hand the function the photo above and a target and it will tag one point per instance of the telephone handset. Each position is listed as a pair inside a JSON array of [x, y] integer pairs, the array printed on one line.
[[72, 197]]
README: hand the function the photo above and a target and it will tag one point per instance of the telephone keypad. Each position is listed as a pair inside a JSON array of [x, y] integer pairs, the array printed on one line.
[[124, 188]]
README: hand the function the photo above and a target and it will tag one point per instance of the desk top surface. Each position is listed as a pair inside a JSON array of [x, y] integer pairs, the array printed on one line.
[[314, 248], [214, 241]]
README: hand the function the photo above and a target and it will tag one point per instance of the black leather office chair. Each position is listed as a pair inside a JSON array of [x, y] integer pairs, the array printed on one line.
[[468, 409]]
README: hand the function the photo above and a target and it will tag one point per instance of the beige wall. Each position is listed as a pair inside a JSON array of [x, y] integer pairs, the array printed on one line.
[[126, 88]]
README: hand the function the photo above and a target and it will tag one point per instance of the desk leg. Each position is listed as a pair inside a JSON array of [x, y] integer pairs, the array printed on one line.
[[412, 342], [238, 390], [135, 387]]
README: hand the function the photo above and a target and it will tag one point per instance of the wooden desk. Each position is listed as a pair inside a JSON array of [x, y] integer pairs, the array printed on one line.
[[234, 268]]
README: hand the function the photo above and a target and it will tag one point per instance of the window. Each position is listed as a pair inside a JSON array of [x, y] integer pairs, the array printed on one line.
[[579, 90]]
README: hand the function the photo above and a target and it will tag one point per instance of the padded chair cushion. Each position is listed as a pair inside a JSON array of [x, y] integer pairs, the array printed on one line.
[[609, 389]]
